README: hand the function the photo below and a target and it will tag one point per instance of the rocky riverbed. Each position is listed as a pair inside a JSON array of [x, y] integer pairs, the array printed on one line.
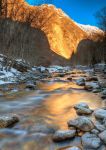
[[54, 108]]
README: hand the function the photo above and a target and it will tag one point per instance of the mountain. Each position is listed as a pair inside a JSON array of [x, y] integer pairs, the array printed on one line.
[[92, 31], [62, 35]]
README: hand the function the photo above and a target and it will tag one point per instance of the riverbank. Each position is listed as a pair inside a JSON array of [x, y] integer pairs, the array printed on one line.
[[43, 100]]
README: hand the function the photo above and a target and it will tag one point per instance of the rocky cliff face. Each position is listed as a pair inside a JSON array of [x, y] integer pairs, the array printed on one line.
[[61, 33]]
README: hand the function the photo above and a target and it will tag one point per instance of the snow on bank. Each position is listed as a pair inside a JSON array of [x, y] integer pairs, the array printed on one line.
[[7, 77]]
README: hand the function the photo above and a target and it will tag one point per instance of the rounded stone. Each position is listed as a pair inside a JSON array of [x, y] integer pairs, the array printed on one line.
[[100, 113], [102, 136], [90, 141], [8, 120], [82, 109], [62, 135], [80, 105], [82, 123], [95, 131], [80, 82], [99, 126]]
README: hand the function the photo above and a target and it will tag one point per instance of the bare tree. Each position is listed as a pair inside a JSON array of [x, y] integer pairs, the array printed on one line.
[[101, 17]]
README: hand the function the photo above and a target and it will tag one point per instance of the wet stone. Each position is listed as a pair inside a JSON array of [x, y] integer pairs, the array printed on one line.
[[103, 84], [102, 136], [82, 109], [99, 126], [92, 86], [100, 114], [95, 131], [104, 92], [102, 147], [62, 135], [8, 120], [70, 148], [82, 104], [90, 141], [82, 123], [80, 82]]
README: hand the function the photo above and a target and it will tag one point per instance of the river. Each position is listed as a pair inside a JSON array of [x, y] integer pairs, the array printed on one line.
[[41, 112]]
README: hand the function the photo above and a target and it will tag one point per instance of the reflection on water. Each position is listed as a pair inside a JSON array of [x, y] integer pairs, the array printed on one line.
[[47, 109]]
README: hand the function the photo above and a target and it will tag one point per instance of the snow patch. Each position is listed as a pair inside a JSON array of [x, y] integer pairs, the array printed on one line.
[[90, 29]]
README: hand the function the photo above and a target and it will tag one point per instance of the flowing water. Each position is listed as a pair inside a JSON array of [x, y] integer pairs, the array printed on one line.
[[41, 112]]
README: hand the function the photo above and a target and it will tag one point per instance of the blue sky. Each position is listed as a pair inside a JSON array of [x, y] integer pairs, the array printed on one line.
[[82, 11]]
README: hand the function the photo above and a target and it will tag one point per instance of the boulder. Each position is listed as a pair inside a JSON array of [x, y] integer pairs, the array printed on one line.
[[99, 126], [80, 105], [100, 114], [103, 94], [103, 84], [82, 123], [80, 82], [102, 136], [104, 122], [90, 141], [95, 131], [82, 109], [8, 120], [92, 86], [62, 135], [102, 147]]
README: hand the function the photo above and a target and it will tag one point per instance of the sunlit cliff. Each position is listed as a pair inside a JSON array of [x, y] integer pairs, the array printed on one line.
[[62, 33]]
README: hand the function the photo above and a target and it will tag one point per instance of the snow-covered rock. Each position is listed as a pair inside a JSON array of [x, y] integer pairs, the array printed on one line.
[[90, 29]]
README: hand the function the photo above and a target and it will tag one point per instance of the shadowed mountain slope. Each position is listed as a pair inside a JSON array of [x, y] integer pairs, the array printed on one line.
[[62, 33]]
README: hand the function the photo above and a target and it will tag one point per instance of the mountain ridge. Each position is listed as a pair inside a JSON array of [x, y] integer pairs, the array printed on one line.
[[63, 34], [60, 30]]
